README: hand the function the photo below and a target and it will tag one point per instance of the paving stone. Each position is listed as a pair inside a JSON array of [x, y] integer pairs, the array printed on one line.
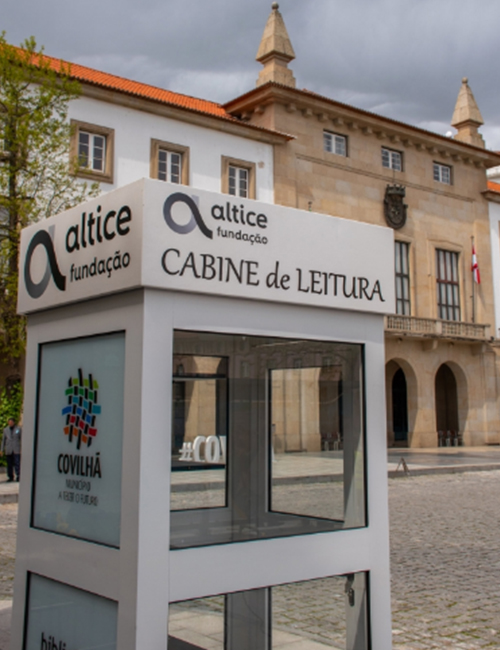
[[445, 561], [445, 558]]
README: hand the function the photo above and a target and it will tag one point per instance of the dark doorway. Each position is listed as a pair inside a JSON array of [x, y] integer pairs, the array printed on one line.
[[399, 407], [446, 401]]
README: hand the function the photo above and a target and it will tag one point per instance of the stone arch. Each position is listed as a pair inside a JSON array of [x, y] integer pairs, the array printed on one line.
[[451, 402], [399, 373]]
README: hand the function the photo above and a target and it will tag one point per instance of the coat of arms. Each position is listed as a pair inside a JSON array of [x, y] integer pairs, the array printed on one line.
[[394, 206]]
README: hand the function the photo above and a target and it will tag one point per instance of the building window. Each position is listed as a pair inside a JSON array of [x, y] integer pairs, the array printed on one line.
[[392, 159], [92, 151], [402, 278], [169, 166], [335, 143], [238, 178], [447, 285], [238, 181], [442, 173], [169, 162]]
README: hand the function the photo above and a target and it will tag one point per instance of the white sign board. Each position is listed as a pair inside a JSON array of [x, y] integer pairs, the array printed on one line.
[[60, 617], [79, 438], [160, 235]]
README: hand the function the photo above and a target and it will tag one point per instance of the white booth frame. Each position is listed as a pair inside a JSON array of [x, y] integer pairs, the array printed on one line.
[[143, 575]]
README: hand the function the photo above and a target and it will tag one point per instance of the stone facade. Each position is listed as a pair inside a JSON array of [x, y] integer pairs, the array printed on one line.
[[442, 215]]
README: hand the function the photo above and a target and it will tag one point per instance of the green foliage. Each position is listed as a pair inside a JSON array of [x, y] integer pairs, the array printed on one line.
[[11, 406], [37, 175]]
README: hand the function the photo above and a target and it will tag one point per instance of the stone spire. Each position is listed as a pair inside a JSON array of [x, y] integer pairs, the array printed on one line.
[[275, 51], [467, 117]]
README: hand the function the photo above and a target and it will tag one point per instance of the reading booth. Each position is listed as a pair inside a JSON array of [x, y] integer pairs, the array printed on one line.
[[204, 457]]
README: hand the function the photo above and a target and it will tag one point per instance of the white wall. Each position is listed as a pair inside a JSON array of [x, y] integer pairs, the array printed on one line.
[[135, 129], [493, 174]]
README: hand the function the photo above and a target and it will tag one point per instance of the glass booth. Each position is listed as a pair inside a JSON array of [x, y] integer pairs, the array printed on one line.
[[204, 455]]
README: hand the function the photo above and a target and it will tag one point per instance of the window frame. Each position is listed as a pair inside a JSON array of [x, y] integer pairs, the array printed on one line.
[[402, 277], [228, 162], [170, 147], [439, 167], [448, 287], [105, 176], [333, 136], [392, 152]]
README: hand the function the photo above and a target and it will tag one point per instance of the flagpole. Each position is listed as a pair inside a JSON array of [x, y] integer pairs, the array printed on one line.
[[473, 288]]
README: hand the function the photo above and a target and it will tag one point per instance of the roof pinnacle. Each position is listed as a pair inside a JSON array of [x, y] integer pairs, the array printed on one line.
[[275, 51], [467, 116]]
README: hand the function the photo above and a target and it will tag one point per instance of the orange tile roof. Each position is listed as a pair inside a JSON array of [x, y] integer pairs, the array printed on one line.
[[113, 82], [494, 187], [87, 75]]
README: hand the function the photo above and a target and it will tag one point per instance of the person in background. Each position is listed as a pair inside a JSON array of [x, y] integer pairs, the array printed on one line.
[[11, 447]]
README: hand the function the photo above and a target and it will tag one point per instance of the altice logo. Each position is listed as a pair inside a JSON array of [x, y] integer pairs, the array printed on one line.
[[36, 289], [196, 219]]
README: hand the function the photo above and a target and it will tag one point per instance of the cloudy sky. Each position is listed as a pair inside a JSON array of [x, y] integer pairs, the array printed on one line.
[[401, 58]]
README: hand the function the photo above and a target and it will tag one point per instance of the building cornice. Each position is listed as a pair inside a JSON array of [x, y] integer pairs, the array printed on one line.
[[333, 114]]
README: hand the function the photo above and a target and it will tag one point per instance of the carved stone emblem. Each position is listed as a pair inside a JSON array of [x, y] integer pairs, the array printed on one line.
[[394, 206]]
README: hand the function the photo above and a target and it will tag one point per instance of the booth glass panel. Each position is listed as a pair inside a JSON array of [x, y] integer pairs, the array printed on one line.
[[61, 617], [314, 615], [267, 438], [79, 438]]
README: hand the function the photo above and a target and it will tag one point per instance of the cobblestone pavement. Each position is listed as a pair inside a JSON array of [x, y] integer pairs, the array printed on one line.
[[445, 557], [445, 553]]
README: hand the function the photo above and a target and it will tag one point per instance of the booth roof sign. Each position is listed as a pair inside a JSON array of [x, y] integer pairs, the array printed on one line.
[[154, 234]]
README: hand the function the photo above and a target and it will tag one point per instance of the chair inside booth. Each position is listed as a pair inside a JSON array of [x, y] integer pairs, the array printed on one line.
[[267, 438]]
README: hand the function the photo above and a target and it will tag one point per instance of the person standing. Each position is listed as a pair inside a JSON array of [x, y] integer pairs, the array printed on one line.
[[11, 446]]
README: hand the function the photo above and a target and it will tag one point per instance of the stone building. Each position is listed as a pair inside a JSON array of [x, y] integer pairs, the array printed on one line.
[[441, 360], [299, 149]]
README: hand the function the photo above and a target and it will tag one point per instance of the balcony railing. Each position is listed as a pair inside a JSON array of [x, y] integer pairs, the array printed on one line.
[[430, 327]]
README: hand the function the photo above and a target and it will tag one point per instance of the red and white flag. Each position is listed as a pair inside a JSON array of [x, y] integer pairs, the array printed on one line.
[[475, 267]]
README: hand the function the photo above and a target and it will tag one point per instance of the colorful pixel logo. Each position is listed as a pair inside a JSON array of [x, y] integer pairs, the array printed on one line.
[[81, 410]]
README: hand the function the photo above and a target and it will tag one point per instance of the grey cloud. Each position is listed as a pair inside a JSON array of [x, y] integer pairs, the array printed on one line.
[[402, 58]]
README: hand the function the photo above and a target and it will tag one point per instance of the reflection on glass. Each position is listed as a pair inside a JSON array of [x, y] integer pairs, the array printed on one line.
[[316, 438], [311, 615], [199, 432], [267, 438]]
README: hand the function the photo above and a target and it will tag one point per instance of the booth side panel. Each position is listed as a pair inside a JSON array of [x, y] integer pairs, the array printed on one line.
[[95, 568]]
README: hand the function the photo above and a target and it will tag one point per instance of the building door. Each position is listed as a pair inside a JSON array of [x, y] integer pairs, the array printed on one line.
[[400, 408], [446, 404]]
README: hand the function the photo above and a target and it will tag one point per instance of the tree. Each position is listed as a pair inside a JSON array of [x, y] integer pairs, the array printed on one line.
[[37, 176]]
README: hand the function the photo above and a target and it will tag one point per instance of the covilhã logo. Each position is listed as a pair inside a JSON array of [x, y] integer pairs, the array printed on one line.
[[81, 410]]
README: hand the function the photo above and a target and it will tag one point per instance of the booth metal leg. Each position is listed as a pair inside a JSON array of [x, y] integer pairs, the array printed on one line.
[[356, 612], [248, 620]]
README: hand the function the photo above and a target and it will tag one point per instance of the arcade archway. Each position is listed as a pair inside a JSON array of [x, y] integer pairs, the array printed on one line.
[[446, 395], [400, 408], [401, 394]]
